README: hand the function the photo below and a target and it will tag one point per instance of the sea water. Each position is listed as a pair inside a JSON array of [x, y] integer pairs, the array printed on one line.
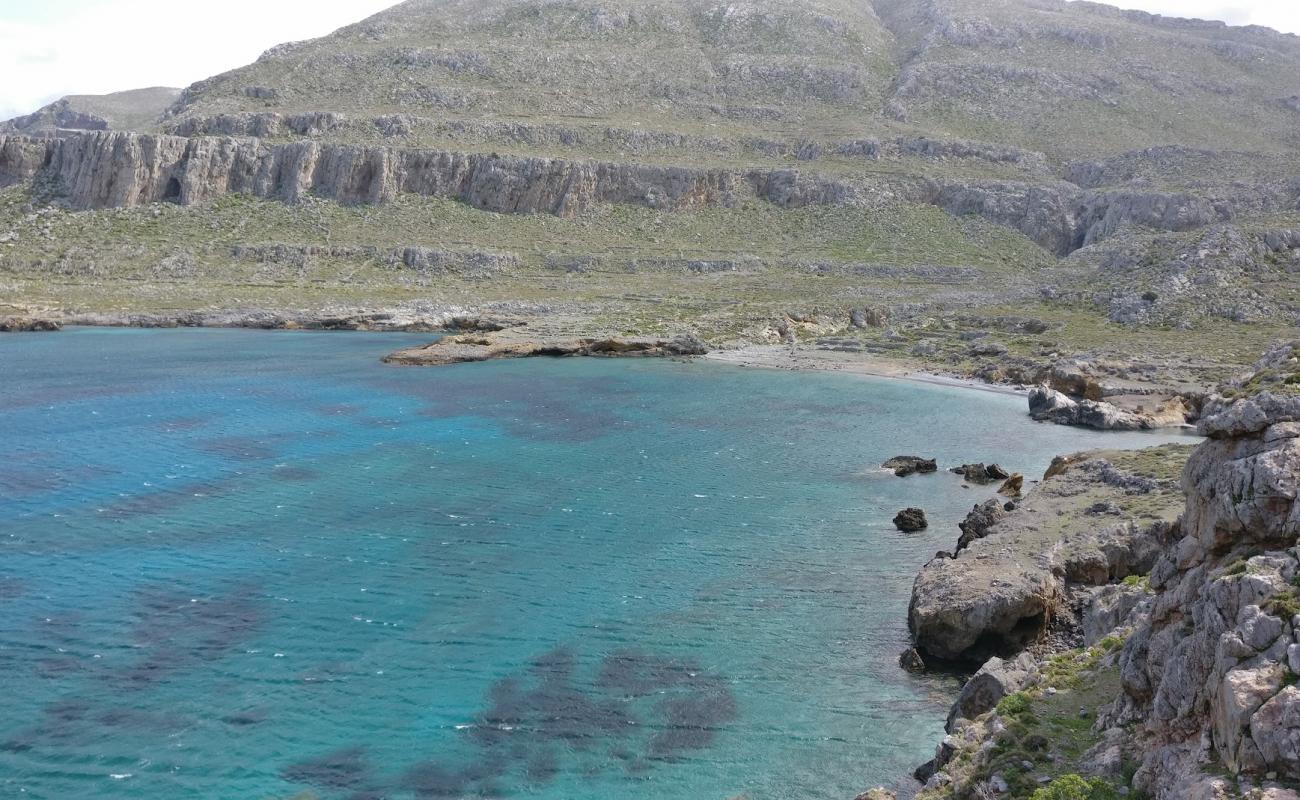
[[240, 564]]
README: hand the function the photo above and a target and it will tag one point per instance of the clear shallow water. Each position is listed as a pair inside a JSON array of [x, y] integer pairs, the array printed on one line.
[[237, 564]]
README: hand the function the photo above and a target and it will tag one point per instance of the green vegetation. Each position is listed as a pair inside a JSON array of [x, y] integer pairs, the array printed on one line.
[[1286, 603], [1047, 729], [1075, 787]]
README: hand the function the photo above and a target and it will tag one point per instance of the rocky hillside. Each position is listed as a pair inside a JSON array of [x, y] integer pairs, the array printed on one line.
[[1005, 183], [1156, 657], [130, 110]]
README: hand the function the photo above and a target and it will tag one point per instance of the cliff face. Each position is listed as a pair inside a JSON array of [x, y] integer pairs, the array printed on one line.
[[123, 170], [1208, 673]]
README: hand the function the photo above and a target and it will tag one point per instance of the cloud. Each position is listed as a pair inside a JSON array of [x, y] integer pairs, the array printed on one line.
[[1282, 15], [101, 46]]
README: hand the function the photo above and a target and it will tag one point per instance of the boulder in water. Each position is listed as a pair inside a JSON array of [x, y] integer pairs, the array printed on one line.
[[910, 520], [911, 465]]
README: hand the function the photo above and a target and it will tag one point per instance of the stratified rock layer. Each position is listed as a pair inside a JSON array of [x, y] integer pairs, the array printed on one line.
[[110, 169]]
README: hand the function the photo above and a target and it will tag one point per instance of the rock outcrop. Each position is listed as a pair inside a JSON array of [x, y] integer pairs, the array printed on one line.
[[468, 348], [1014, 571], [122, 170], [911, 520], [28, 324], [1203, 702], [903, 466], [982, 473], [1205, 673], [1048, 405], [996, 679]]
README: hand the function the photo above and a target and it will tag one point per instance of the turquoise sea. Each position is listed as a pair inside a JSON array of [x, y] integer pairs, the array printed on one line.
[[239, 564]]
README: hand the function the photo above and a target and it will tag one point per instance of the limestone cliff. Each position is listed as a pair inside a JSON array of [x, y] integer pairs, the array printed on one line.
[[122, 170]]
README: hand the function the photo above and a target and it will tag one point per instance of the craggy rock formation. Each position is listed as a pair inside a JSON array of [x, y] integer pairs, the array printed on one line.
[[1049, 405], [471, 348], [996, 679], [1199, 700], [1014, 569], [115, 170], [1207, 672], [411, 317], [982, 473]]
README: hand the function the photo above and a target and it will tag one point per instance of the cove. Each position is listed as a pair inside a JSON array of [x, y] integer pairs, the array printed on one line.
[[239, 564]]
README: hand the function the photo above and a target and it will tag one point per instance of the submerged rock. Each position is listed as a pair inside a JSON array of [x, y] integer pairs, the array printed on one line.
[[910, 465], [910, 520]]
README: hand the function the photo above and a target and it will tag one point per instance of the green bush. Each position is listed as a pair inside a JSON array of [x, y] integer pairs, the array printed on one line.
[[1014, 705], [1076, 787]]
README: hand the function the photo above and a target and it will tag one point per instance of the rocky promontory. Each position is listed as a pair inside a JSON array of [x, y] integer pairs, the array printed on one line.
[[468, 348], [1014, 569], [1133, 652]]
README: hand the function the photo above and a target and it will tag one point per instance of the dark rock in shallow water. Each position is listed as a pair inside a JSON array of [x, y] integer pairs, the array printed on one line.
[[910, 520], [910, 465], [982, 473], [910, 660]]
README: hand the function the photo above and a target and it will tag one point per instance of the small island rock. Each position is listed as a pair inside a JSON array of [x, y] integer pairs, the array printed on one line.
[[910, 520], [911, 465]]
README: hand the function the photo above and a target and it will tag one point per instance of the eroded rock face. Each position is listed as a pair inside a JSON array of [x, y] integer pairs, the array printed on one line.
[[1206, 670], [979, 521], [959, 614], [224, 154], [122, 170], [28, 324]]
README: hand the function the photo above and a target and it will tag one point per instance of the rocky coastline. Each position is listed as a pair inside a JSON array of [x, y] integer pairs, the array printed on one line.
[[1134, 620]]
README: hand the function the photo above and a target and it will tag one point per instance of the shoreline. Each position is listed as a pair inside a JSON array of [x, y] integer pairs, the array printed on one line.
[[781, 357], [460, 335]]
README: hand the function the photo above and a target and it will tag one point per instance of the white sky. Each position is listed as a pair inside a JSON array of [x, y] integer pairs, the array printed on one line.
[[50, 48]]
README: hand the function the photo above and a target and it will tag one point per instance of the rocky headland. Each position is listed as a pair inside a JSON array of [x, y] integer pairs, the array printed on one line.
[[1135, 618]]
